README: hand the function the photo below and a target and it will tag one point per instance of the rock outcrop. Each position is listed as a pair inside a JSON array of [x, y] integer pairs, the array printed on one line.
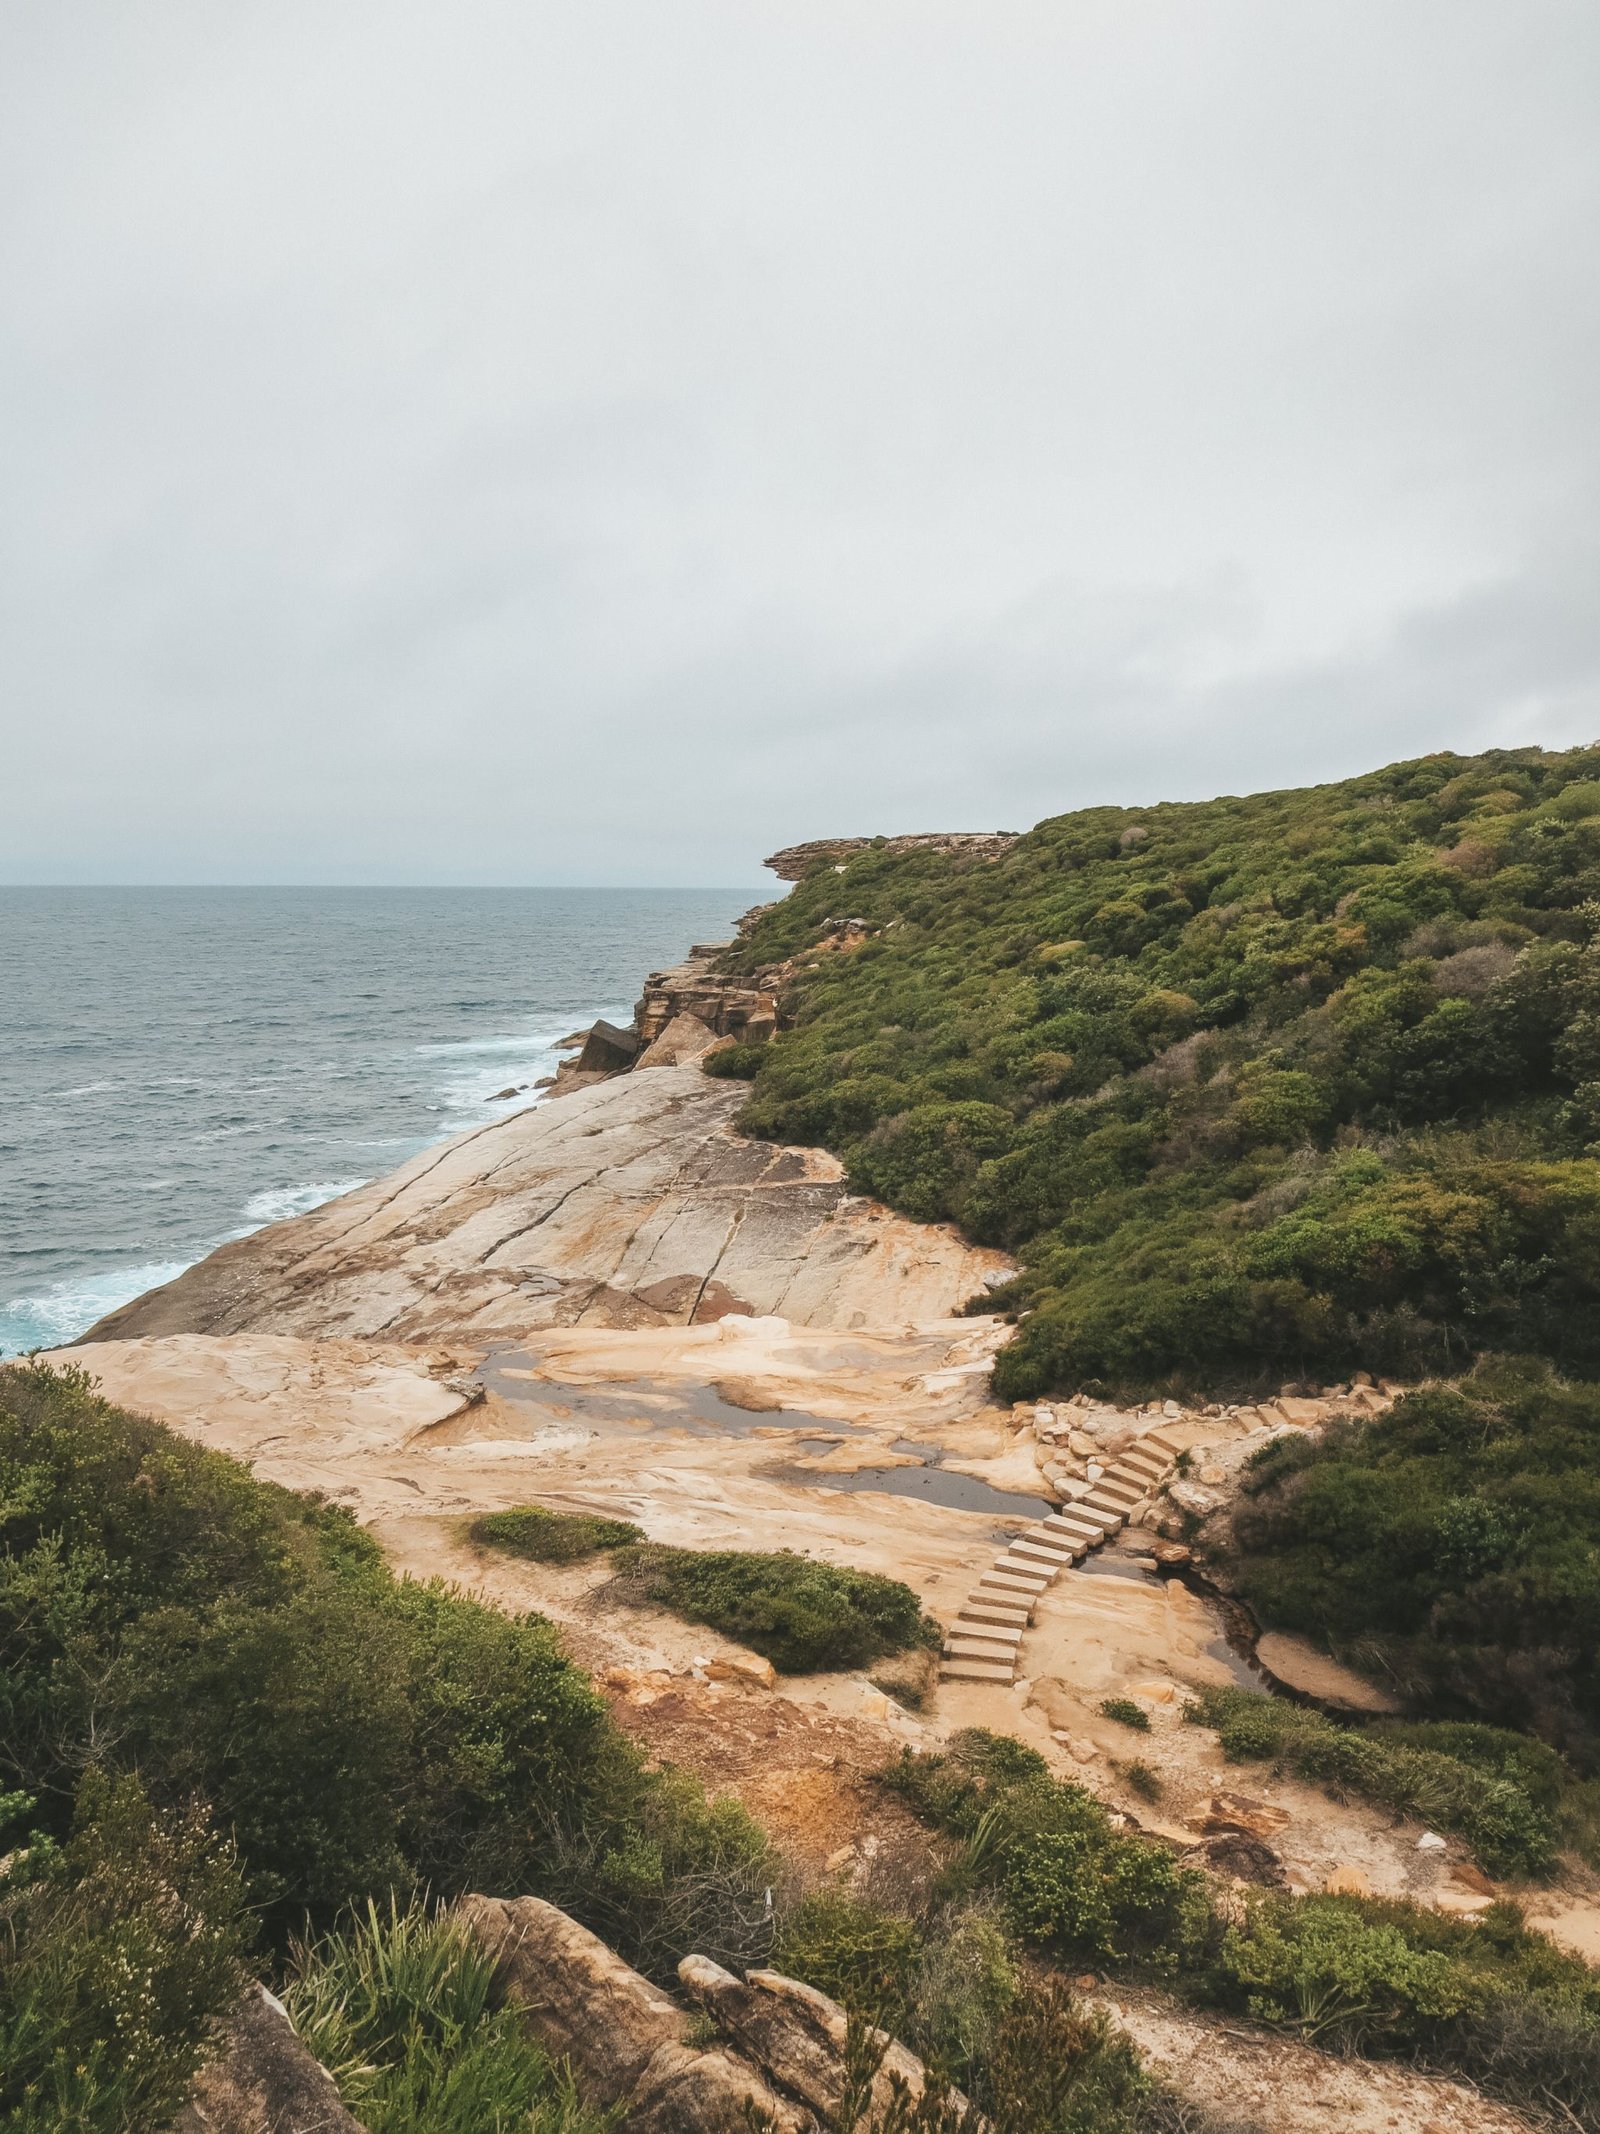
[[632, 1203], [737, 1006], [795, 862], [263, 2081], [779, 2058]]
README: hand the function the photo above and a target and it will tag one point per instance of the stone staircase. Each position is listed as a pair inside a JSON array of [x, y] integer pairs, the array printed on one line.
[[986, 1637]]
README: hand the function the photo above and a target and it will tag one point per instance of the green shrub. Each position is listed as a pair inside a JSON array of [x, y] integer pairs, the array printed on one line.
[[1126, 1713], [1026, 2051], [118, 1962], [544, 1536], [1510, 1831], [1141, 1778], [862, 1955], [1324, 1967], [1484, 1996], [399, 2007], [668, 1870], [802, 1615], [1069, 1881]]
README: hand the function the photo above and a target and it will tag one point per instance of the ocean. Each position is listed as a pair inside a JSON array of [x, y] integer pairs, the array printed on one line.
[[181, 1066]]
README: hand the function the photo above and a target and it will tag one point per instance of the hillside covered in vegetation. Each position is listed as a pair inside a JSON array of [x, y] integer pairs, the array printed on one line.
[[1255, 1088]]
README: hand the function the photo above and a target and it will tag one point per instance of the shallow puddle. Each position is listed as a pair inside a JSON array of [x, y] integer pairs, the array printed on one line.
[[933, 1485], [623, 1407]]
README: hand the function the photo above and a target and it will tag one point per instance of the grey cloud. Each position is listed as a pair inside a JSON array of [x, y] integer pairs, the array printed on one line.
[[601, 442]]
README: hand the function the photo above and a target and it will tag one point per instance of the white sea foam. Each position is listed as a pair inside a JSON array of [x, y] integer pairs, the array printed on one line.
[[66, 1309], [478, 1069], [277, 1203]]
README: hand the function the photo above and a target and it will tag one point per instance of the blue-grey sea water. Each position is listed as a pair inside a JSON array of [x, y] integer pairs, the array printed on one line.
[[180, 1066]]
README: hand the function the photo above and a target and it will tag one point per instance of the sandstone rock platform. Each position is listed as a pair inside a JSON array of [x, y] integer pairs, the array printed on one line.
[[632, 1202]]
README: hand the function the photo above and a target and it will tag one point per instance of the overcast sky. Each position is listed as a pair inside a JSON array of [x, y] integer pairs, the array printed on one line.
[[603, 441]]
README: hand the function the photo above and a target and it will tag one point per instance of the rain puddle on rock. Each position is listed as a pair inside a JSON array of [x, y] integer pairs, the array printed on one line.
[[624, 1407], [1109, 1563], [934, 1485]]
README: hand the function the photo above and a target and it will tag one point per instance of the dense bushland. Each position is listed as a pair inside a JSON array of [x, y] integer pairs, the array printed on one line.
[[217, 1705], [800, 1614], [1453, 1544], [1255, 1088], [1485, 1996]]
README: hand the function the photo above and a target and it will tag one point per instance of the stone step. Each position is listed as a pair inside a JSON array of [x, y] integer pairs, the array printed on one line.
[[978, 1649], [984, 1608], [1136, 1478], [1000, 1588], [977, 1671], [1073, 1546], [1039, 1537], [1078, 1531], [1151, 1462], [1115, 1517], [1101, 1519], [989, 1633], [1053, 1552], [1119, 1488], [1163, 1441], [1024, 1589], [1028, 1567]]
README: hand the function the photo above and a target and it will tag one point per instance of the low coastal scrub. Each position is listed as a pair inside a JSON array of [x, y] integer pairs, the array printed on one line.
[[1453, 1543], [1254, 1088], [1126, 1713], [1485, 1996], [120, 1949], [544, 1536], [1475, 1786], [953, 1984], [802, 1615], [398, 2006], [218, 1706]]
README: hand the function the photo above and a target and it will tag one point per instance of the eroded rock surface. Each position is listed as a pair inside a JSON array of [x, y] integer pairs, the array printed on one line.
[[619, 1205], [779, 2061], [263, 2081]]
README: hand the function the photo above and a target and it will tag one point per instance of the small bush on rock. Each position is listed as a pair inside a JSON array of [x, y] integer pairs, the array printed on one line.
[[802, 1615], [550, 1537], [1126, 1713]]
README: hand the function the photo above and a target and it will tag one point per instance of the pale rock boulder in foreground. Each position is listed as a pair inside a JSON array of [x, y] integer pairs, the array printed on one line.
[[630, 1203]]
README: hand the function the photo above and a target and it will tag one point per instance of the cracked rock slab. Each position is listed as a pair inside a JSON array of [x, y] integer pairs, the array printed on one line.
[[630, 1203]]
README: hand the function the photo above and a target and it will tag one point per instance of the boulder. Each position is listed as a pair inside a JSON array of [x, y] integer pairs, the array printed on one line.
[[798, 2036], [684, 1040], [263, 2081], [1190, 1497], [628, 2041], [744, 1667], [683, 2091], [607, 1049], [579, 1996]]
